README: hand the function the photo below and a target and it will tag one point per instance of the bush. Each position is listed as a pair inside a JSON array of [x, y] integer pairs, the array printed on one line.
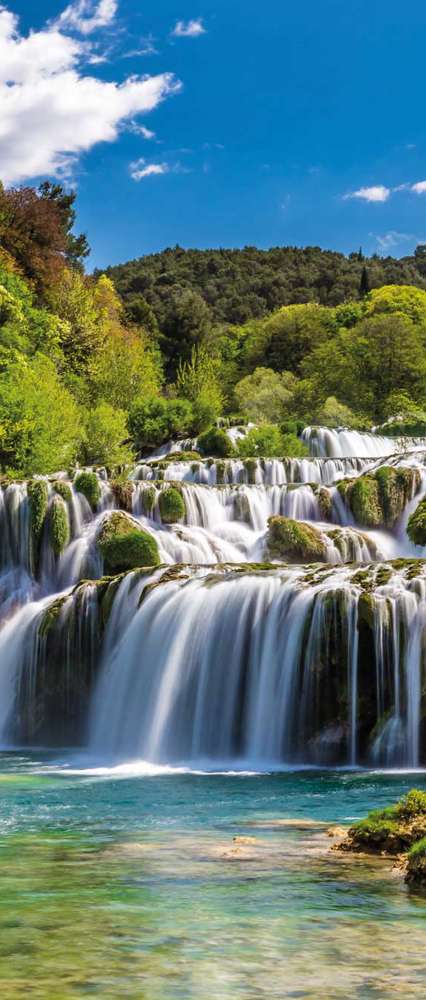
[[106, 433], [267, 441], [154, 420], [215, 443], [172, 506], [59, 525], [88, 484], [125, 546]]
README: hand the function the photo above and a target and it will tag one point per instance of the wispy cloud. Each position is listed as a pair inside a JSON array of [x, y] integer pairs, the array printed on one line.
[[419, 187], [140, 169], [392, 239], [85, 16], [142, 130], [189, 29], [51, 111]]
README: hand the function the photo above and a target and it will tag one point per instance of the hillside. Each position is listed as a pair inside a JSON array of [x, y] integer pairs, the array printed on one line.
[[239, 285]]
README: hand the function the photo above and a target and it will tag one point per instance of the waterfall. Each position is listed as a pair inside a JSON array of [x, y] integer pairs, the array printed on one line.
[[328, 443], [218, 655]]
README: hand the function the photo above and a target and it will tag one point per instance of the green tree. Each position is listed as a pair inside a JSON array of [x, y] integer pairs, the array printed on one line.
[[106, 437], [154, 420], [265, 395], [198, 380], [40, 423]]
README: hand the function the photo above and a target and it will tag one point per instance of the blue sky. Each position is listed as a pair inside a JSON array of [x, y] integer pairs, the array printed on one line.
[[281, 123]]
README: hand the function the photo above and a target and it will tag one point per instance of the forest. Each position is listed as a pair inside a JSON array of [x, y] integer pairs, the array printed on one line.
[[96, 369]]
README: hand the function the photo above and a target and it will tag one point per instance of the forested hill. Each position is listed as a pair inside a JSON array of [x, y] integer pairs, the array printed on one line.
[[239, 285]]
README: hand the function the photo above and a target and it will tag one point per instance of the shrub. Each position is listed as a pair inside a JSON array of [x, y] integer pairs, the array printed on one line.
[[63, 490], [154, 420], [267, 441], [88, 484], [172, 506], [215, 443], [106, 434]]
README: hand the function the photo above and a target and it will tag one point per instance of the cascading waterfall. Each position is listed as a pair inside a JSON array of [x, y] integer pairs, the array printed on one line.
[[219, 659]]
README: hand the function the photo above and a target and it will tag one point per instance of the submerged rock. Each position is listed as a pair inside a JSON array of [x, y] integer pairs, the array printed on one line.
[[124, 545], [294, 541]]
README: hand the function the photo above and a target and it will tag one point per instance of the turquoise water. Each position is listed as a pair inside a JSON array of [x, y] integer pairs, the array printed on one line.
[[118, 886]]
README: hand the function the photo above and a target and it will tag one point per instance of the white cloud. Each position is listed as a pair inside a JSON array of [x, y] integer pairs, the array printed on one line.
[[377, 193], [84, 16], [140, 169], [419, 187], [189, 29], [142, 130], [50, 112]]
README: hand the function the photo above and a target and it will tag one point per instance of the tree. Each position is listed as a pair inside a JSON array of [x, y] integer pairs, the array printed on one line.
[[265, 395], [198, 380], [405, 299], [40, 424], [154, 420], [106, 436], [35, 231], [187, 323], [284, 339], [267, 441], [335, 414], [76, 247], [364, 285]]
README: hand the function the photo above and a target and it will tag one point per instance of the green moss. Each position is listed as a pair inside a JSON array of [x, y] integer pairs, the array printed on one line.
[[124, 545], [393, 829], [416, 528], [59, 525], [383, 575], [38, 494], [215, 442], [294, 541], [88, 484], [63, 490], [366, 609], [220, 473], [149, 499], [325, 503], [378, 499], [250, 464], [51, 616], [123, 494], [416, 865], [172, 505]]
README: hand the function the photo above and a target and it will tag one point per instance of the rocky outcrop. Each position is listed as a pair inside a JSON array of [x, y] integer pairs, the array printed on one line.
[[124, 545], [294, 541], [377, 500]]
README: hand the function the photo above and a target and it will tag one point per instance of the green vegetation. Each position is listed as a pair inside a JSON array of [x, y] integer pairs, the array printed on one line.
[[59, 526], [124, 545], [63, 490], [379, 499], [93, 373], [395, 830], [215, 443], [416, 528], [87, 483], [293, 541], [172, 505], [38, 494]]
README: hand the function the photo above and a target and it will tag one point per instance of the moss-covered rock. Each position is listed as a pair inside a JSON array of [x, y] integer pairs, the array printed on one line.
[[325, 503], [215, 442], [416, 865], [124, 545], [294, 541], [59, 525], [123, 494], [416, 528], [88, 484], [391, 830], [63, 490], [38, 494], [378, 499], [178, 456], [149, 499], [172, 505], [250, 465]]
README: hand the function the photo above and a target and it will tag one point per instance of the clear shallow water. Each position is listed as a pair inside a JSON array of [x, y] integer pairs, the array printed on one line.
[[116, 886]]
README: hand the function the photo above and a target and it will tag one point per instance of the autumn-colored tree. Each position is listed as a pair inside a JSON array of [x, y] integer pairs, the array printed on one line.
[[35, 229]]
